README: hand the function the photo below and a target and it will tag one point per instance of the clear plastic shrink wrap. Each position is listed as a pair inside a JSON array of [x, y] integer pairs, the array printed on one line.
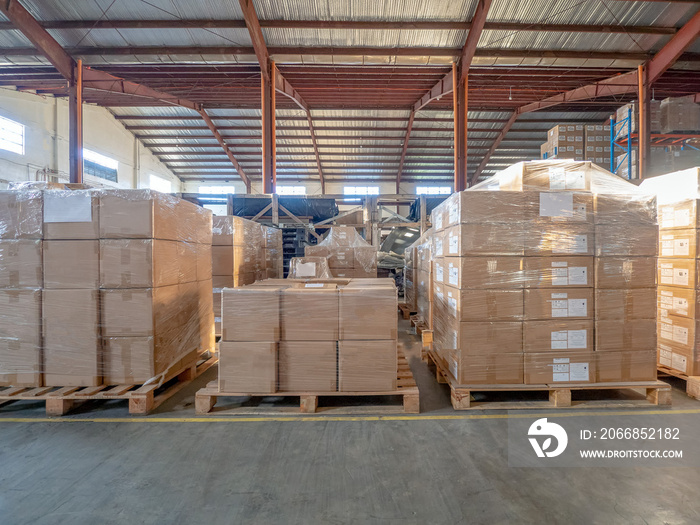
[[678, 274], [348, 254], [309, 268], [546, 276], [327, 335], [410, 274], [101, 286]]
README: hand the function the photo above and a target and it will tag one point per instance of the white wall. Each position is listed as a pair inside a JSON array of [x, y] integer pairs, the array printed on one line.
[[46, 143]]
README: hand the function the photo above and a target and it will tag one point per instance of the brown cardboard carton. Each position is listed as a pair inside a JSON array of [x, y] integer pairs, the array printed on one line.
[[480, 338], [560, 208], [483, 305], [484, 239], [222, 281], [617, 335], [367, 366], [203, 263], [625, 303], [128, 360], [71, 215], [557, 272], [20, 337], [222, 260], [365, 258], [206, 316], [343, 274], [507, 207], [341, 257], [560, 367], [679, 215], [21, 214], [187, 262], [625, 272], [236, 231], [247, 367], [557, 336], [72, 353], [368, 313], [677, 358], [361, 273], [71, 264], [310, 313], [637, 365], [555, 240], [545, 175], [480, 272], [682, 302], [625, 210], [439, 244], [138, 214], [681, 244], [21, 264], [678, 331], [139, 263], [494, 369], [251, 313], [244, 279], [678, 272], [307, 366], [140, 312], [559, 303], [317, 251], [626, 240]]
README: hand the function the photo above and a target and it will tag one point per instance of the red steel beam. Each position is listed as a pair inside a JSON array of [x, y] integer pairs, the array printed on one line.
[[227, 151], [469, 48], [409, 126], [75, 126], [495, 145], [316, 152], [256, 36], [672, 51]]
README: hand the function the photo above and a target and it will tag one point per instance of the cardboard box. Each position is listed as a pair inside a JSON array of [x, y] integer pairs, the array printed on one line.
[[71, 215], [21, 264], [203, 262], [21, 214], [368, 313], [480, 272], [251, 313], [140, 263], [480, 338], [505, 207], [141, 312], [484, 239], [625, 303], [625, 210], [244, 279], [138, 214], [547, 175], [558, 272], [222, 281], [307, 366], [365, 258], [625, 272], [678, 331], [558, 303], [341, 257], [678, 272], [568, 239], [625, 366], [20, 337], [681, 359], [681, 244], [626, 240], [128, 360], [494, 369], [229, 230], [557, 336], [633, 335], [71, 264], [679, 215], [72, 349], [560, 367], [483, 305], [317, 251], [367, 366], [561, 207], [681, 302], [248, 367], [310, 313]]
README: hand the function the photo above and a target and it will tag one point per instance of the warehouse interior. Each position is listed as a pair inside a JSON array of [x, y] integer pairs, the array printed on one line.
[[204, 157]]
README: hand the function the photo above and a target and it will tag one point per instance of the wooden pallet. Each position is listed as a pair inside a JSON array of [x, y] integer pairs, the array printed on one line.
[[206, 398], [419, 324], [405, 311], [560, 395], [142, 398], [692, 383]]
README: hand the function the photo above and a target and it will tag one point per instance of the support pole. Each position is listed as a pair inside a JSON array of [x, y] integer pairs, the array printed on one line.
[[75, 124], [460, 133], [269, 174], [644, 124]]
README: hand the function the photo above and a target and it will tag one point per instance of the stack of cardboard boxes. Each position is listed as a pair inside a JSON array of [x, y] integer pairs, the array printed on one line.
[[309, 337], [424, 281], [516, 299], [578, 142], [409, 277], [598, 144], [349, 255], [114, 286]]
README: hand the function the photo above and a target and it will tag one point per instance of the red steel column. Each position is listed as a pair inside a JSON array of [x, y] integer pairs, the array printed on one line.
[[644, 124], [75, 124], [460, 134], [269, 159]]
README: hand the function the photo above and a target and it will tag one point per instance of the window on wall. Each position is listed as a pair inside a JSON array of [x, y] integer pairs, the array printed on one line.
[[217, 190], [99, 165], [433, 190], [160, 184], [11, 136], [290, 190], [361, 190]]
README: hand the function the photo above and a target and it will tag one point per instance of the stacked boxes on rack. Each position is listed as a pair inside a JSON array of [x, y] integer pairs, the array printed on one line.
[[565, 141], [309, 337], [349, 255], [126, 278], [424, 281], [598, 144], [516, 299]]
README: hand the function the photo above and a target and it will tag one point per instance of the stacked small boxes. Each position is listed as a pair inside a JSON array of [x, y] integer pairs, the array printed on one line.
[[679, 114], [273, 253], [309, 337], [630, 110], [349, 255], [515, 300], [566, 141], [598, 144], [409, 277]]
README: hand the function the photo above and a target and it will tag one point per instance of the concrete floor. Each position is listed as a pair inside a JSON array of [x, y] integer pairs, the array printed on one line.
[[172, 468]]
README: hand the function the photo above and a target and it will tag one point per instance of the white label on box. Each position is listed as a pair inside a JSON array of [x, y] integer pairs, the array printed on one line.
[[578, 275], [439, 273], [453, 277], [580, 244], [453, 245], [680, 277], [560, 295], [557, 179], [453, 215], [559, 340], [680, 335], [560, 308], [72, 206], [679, 362], [556, 204], [306, 269], [438, 247], [560, 276], [681, 247], [681, 218], [559, 360], [580, 212], [665, 330], [665, 355], [313, 285], [562, 264], [575, 180], [578, 307], [680, 305], [579, 372], [452, 304], [577, 338], [438, 220], [666, 276], [560, 377]]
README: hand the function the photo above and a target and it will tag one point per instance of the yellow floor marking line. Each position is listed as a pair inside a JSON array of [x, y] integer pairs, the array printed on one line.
[[321, 418]]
